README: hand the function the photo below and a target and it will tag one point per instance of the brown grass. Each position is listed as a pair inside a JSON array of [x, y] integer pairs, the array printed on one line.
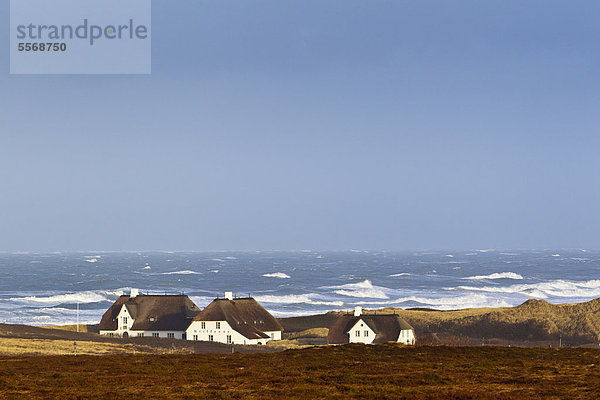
[[74, 328], [19, 347], [341, 372]]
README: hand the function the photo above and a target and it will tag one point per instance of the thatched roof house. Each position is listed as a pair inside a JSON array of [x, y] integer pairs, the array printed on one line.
[[235, 320], [370, 329], [149, 315]]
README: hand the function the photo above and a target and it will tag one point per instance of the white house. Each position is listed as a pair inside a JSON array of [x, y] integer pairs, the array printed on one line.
[[165, 316], [370, 329], [236, 321]]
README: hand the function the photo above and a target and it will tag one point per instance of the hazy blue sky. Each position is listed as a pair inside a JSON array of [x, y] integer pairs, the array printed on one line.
[[316, 124]]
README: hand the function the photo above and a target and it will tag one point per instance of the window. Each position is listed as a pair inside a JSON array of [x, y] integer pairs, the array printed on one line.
[[366, 333], [228, 338], [211, 338], [171, 335], [195, 337], [218, 325], [125, 320], [155, 334], [357, 333], [140, 334], [202, 325]]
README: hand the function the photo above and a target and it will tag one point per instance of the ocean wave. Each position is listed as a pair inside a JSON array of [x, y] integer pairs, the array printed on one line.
[[280, 275], [401, 274], [92, 260], [543, 290], [51, 316], [501, 275], [184, 272], [361, 289], [297, 299], [68, 298], [445, 303]]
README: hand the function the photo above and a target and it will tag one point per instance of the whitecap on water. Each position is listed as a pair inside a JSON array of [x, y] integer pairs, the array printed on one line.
[[280, 275], [501, 275]]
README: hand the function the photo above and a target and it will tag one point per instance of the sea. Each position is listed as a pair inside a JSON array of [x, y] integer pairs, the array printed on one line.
[[59, 288]]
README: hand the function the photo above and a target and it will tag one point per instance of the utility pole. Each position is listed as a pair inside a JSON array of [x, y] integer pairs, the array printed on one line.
[[560, 341], [77, 317]]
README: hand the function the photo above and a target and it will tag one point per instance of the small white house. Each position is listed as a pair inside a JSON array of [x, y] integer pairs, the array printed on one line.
[[236, 321], [164, 316], [370, 329]]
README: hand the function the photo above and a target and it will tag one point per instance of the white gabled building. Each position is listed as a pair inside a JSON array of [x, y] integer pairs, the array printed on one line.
[[236, 321], [164, 316], [370, 329]]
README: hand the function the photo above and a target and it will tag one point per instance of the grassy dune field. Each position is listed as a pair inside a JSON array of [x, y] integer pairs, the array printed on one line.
[[338, 372], [533, 323]]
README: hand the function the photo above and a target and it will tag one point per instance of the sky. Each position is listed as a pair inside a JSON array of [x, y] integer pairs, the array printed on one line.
[[316, 124]]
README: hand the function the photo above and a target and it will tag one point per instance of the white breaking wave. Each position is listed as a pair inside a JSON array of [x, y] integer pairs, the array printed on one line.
[[401, 274], [69, 298], [556, 288], [361, 289], [501, 275], [297, 299], [185, 272], [445, 303], [280, 275], [147, 267], [51, 316], [555, 255], [92, 260]]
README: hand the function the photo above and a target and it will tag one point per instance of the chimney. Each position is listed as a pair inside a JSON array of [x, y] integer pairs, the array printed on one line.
[[134, 293], [357, 311], [229, 295]]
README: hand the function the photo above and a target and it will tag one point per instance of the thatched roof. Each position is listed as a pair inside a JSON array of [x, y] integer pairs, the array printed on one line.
[[152, 312], [386, 327], [244, 315]]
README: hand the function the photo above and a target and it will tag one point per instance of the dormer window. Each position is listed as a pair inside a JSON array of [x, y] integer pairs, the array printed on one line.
[[152, 319]]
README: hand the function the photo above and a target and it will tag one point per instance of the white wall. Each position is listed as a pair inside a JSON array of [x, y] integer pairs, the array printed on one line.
[[407, 336], [136, 333], [195, 332], [361, 333]]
